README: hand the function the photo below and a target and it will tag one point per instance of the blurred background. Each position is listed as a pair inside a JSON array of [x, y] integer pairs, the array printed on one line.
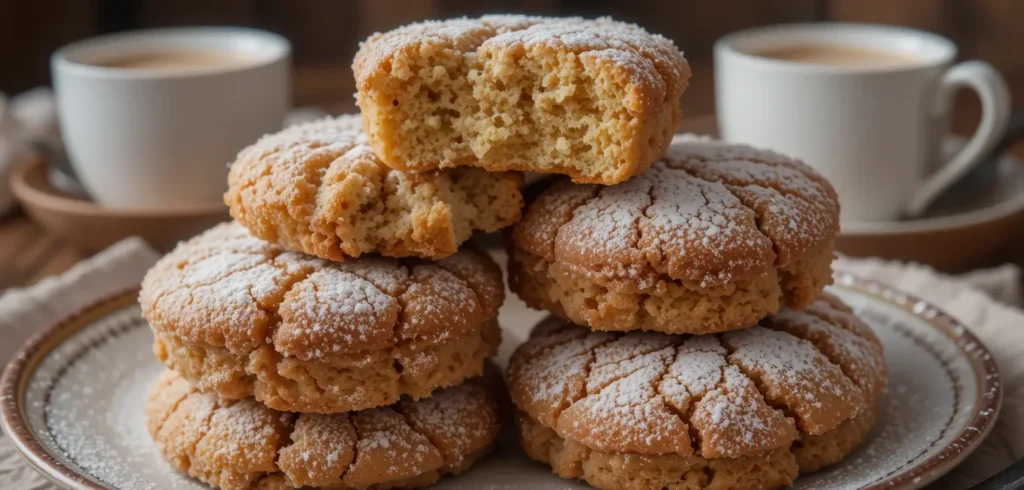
[[325, 33]]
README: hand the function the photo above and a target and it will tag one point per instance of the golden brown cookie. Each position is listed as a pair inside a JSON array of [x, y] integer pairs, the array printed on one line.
[[318, 188], [242, 317], [713, 237], [242, 444], [597, 100], [746, 409]]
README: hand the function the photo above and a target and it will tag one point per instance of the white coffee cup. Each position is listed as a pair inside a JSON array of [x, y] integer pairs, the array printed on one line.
[[874, 130], [159, 137]]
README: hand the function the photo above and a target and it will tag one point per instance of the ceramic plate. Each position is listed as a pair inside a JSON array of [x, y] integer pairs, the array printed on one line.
[[73, 401]]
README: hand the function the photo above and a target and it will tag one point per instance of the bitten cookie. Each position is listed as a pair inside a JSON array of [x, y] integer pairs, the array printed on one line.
[[242, 444], [713, 237], [597, 100], [747, 409], [241, 317], [318, 188]]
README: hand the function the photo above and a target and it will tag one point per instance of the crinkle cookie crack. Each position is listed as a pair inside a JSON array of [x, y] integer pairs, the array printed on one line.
[[241, 444], [728, 395], [226, 306]]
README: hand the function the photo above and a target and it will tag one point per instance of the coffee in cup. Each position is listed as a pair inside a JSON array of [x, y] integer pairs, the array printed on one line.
[[838, 55], [178, 60]]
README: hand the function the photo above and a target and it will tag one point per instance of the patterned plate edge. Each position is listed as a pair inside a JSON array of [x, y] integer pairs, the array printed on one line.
[[990, 389], [14, 385]]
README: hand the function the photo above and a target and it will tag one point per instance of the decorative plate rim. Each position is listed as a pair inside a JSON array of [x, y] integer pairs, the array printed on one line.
[[15, 379], [983, 365], [14, 385]]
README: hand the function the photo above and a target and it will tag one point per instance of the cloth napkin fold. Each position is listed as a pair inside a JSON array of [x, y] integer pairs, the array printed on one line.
[[986, 300]]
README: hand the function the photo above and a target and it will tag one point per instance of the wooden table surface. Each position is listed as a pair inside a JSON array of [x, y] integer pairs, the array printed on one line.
[[28, 253]]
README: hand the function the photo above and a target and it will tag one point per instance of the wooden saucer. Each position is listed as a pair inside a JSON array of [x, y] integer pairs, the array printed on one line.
[[90, 226]]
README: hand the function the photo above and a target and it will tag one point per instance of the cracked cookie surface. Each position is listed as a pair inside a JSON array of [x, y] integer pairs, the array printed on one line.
[[713, 237], [597, 100], [242, 317], [242, 444], [750, 408], [318, 188]]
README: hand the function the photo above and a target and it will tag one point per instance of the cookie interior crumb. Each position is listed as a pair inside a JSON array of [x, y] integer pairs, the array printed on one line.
[[318, 188], [596, 100]]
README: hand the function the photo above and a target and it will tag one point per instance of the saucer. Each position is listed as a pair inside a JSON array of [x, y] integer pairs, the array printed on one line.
[[954, 236], [90, 226], [72, 401]]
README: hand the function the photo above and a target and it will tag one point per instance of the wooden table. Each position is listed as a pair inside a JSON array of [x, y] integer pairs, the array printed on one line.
[[28, 253]]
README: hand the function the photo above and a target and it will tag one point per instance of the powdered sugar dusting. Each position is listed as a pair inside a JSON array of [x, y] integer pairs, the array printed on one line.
[[388, 449], [628, 355], [245, 433], [226, 443], [796, 207], [491, 33], [632, 406], [101, 426], [438, 306], [665, 221], [733, 419], [652, 60], [792, 372], [301, 142], [322, 448], [707, 148], [708, 211], [551, 210], [697, 368], [606, 227], [225, 288], [553, 370], [467, 33], [697, 230], [740, 393], [334, 312], [387, 275], [859, 358], [452, 419]]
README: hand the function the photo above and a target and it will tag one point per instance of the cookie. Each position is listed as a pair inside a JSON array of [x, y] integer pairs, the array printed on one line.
[[242, 444], [597, 100], [713, 237], [318, 188], [242, 317], [747, 409]]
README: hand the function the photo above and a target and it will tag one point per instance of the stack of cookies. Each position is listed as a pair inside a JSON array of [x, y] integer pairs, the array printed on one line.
[[336, 334], [690, 345]]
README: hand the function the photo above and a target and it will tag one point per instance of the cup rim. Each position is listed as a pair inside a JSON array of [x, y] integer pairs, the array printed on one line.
[[932, 49], [267, 48]]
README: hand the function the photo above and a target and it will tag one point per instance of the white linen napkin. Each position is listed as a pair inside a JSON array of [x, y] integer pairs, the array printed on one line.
[[981, 299]]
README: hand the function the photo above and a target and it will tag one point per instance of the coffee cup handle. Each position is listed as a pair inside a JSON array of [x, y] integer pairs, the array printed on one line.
[[995, 114]]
